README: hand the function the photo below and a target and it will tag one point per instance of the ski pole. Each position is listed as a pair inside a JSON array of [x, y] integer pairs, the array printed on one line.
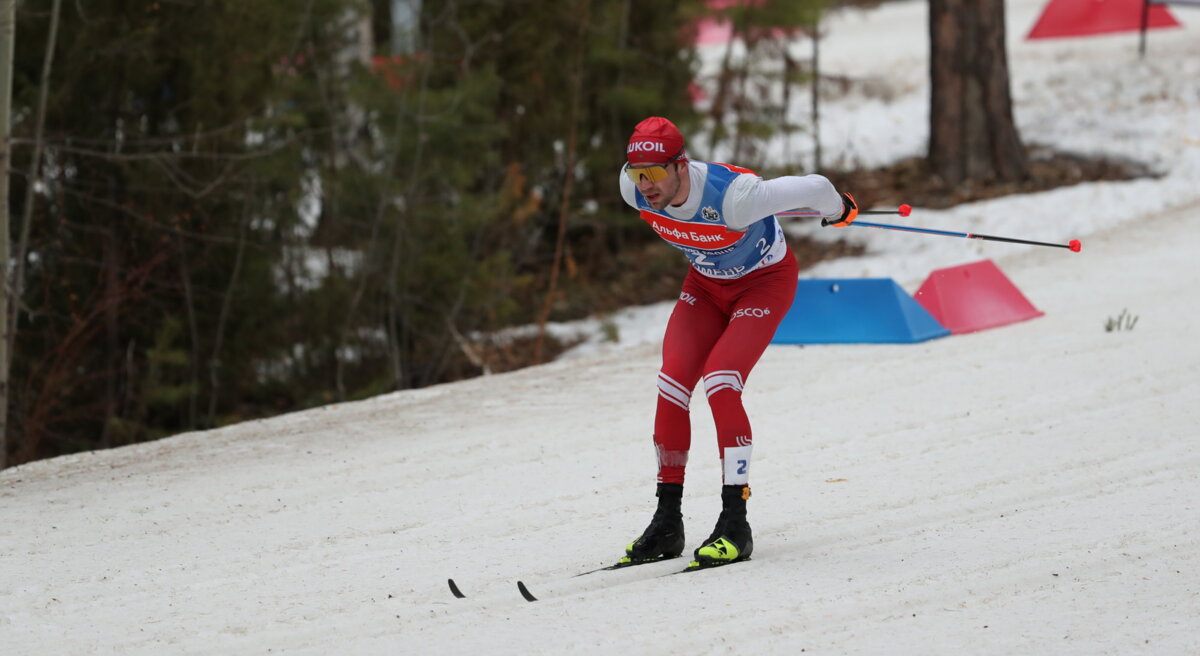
[[1074, 245], [903, 210]]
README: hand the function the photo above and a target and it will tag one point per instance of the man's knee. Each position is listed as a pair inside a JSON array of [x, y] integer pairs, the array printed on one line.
[[673, 391], [723, 380]]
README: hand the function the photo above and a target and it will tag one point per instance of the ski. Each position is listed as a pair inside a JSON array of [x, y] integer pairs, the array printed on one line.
[[625, 562], [529, 596], [696, 566], [525, 592]]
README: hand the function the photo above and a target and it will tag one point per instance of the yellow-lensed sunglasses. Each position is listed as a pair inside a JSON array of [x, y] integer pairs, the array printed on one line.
[[651, 173]]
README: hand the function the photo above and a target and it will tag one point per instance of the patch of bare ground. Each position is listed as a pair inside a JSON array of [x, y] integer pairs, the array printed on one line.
[[910, 181]]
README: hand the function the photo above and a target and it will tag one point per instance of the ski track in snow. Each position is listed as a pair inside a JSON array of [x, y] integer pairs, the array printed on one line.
[[1026, 489]]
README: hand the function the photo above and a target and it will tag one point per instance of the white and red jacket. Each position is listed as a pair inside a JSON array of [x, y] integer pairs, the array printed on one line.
[[727, 226]]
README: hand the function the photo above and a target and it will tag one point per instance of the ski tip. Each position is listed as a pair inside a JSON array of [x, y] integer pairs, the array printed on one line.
[[454, 589], [525, 591]]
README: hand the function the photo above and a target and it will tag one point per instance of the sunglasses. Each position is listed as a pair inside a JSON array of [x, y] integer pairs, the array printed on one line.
[[651, 173]]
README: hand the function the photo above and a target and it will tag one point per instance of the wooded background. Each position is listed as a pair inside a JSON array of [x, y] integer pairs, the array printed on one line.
[[221, 210], [224, 210]]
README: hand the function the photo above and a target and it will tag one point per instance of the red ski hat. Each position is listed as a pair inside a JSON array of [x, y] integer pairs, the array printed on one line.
[[655, 141]]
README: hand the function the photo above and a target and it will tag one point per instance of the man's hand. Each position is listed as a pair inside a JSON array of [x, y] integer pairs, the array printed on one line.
[[849, 213]]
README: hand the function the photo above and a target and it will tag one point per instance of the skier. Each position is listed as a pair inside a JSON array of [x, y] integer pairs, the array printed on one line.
[[740, 284]]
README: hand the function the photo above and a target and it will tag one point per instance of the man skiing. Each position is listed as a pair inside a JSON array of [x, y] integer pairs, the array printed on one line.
[[740, 284]]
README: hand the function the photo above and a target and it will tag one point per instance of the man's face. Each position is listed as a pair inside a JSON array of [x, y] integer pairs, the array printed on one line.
[[659, 183]]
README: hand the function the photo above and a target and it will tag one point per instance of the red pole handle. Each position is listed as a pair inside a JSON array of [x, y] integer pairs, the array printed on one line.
[[904, 210]]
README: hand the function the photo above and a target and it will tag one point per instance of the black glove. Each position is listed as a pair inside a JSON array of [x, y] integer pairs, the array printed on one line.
[[849, 213]]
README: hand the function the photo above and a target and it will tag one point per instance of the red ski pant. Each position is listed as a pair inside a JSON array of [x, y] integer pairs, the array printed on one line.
[[717, 332]]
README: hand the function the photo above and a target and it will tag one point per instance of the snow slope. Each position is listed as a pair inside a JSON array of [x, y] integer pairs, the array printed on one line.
[[1027, 489]]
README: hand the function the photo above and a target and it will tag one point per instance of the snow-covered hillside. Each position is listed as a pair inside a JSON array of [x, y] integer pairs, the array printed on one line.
[[1029, 489]]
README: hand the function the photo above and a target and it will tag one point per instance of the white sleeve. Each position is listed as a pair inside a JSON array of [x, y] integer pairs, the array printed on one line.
[[750, 198]]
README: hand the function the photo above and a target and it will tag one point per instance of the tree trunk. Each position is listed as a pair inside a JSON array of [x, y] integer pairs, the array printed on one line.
[[111, 285], [189, 306], [8, 29], [972, 135], [568, 181], [214, 361]]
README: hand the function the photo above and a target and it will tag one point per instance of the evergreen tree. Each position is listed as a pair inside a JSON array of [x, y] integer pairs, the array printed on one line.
[[245, 208]]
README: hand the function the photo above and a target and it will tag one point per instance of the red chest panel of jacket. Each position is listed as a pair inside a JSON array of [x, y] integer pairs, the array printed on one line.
[[691, 234]]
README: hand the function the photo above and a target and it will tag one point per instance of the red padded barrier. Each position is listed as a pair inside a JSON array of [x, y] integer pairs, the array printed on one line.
[[1084, 17], [972, 297]]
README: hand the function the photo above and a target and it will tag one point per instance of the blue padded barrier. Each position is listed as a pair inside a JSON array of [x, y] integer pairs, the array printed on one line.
[[855, 311]]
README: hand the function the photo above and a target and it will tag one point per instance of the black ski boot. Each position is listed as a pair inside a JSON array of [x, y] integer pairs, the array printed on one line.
[[663, 538], [731, 540]]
